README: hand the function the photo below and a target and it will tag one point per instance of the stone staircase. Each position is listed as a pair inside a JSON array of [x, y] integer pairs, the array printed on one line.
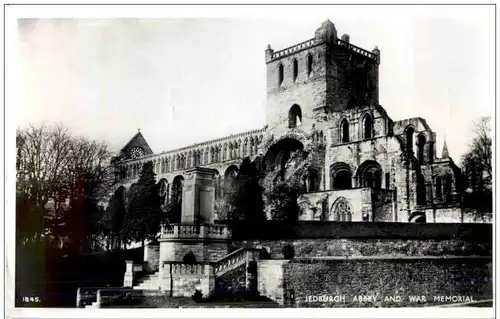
[[148, 282], [222, 266]]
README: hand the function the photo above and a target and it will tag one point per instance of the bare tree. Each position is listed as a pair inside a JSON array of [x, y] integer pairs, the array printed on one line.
[[41, 164], [60, 181], [476, 165]]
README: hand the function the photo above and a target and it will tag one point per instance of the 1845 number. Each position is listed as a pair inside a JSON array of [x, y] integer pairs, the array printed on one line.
[[31, 299]]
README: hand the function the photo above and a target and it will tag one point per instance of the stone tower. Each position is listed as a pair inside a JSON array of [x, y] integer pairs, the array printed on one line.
[[324, 73]]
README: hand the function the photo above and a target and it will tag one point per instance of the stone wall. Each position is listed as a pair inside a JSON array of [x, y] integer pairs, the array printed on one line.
[[360, 200], [274, 230], [270, 279], [384, 208], [203, 251], [184, 279], [380, 278], [371, 247]]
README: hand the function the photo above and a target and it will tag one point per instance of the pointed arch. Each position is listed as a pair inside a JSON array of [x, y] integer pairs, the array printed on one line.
[[409, 131], [448, 187], [177, 187], [439, 188], [163, 191], [230, 178], [341, 210], [245, 147], [421, 140], [421, 196]]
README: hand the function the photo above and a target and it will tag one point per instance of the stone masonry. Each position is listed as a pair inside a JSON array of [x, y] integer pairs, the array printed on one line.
[[323, 94]]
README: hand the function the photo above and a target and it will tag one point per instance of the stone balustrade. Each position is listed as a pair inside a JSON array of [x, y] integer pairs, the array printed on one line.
[[179, 268], [195, 231], [242, 254]]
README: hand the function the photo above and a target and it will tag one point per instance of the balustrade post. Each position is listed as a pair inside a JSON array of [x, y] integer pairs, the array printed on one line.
[[176, 231], [203, 231]]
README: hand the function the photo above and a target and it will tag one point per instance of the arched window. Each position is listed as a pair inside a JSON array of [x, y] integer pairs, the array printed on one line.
[[431, 152], [295, 70], [342, 180], [439, 188], [183, 161], [340, 176], [280, 74], [294, 116], [448, 182], [217, 179], [344, 131], [409, 139], [309, 64], [163, 191], [420, 190], [369, 174], [421, 148], [341, 210], [231, 178], [177, 186], [367, 126]]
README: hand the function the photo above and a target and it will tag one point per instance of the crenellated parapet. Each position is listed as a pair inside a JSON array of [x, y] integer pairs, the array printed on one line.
[[374, 55]]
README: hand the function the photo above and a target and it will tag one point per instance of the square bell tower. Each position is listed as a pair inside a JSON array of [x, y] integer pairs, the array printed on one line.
[[324, 73]]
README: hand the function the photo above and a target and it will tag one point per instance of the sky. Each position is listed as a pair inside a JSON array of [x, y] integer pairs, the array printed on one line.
[[189, 77]]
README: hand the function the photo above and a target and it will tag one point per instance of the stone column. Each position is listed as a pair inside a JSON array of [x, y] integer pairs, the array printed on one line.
[[198, 198]]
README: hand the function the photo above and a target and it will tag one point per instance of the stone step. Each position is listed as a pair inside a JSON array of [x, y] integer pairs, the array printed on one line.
[[93, 305], [146, 287], [141, 281], [149, 282]]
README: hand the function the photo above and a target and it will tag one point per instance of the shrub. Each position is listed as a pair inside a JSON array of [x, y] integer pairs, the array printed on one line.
[[288, 252]]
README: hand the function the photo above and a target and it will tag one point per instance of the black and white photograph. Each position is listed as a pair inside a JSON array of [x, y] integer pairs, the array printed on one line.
[[224, 156]]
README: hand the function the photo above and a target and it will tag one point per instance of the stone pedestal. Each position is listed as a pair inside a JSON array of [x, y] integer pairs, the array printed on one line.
[[198, 200], [128, 279], [196, 234], [151, 257]]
